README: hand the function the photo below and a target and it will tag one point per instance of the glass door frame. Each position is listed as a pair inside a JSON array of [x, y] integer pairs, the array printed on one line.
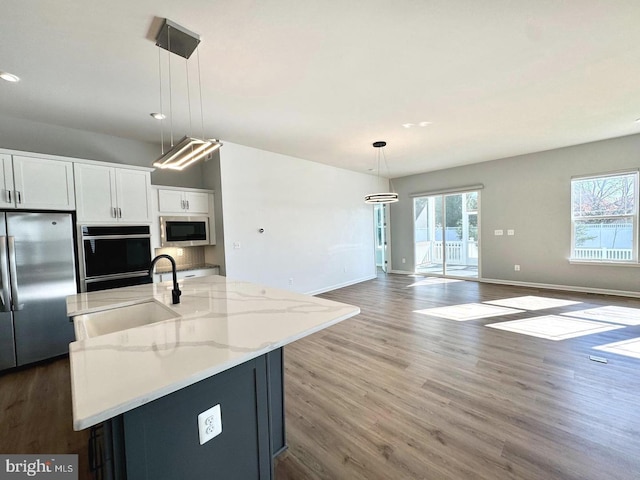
[[465, 249]]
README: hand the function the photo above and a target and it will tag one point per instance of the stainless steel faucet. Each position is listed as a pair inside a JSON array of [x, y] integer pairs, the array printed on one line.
[[175, 293]]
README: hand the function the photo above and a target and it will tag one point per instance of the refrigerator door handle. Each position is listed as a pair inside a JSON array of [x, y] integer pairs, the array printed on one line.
[[14, 275], [5, 300]]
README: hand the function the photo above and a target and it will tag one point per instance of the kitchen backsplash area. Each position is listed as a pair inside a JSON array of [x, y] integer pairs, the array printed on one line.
[[186, 258]]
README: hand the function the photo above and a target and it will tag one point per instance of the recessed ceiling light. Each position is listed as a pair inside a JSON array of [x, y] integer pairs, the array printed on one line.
[[419, 124], [158, 116], [9, 77]]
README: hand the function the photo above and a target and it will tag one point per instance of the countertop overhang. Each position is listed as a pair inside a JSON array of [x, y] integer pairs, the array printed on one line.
[[220, 323]]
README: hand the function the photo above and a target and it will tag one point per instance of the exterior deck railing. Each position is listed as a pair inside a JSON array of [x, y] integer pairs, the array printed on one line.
[[614, 254]]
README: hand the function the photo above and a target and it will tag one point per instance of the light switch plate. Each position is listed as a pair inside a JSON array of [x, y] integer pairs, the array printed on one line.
[[511, 232], [209, 424], [498, 232]]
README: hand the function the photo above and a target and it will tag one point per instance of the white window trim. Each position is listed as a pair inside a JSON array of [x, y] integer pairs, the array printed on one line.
[[635, 260]]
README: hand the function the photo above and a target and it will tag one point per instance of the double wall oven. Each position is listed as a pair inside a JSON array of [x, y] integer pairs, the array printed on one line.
[[114, 256]]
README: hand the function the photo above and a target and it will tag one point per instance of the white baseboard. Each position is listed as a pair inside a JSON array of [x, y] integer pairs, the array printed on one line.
[[568, 288], [548, 286], [341, 285]]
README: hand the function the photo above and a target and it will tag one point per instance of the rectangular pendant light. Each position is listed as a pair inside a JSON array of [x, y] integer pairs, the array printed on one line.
[[180, 41], [187, 151]]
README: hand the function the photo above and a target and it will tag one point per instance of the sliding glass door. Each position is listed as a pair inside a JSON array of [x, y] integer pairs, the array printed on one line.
[[446, 234]]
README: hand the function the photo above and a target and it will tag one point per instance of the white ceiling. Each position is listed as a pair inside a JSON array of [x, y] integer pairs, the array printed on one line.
[[322, 80]]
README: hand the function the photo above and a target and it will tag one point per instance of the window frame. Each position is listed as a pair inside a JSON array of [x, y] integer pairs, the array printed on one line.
[[635, 219]]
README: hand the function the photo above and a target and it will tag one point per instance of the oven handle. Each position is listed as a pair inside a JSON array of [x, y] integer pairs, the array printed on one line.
[[114, 237]]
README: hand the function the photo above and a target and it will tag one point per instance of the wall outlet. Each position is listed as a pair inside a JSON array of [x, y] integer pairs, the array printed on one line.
[[511, 232], [345, 269], [497, 233], [209, 424], [516, 268], [236, 245], [404, 260], [180, 252], [291, 281]]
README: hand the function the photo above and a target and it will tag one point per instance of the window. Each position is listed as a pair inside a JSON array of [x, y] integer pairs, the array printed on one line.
[[604, 218]]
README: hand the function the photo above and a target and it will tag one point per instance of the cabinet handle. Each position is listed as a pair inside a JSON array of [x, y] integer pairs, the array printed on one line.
[[119, 212], [187, 204], [114, 213], [19, 196], [183, 204], [8, 196]]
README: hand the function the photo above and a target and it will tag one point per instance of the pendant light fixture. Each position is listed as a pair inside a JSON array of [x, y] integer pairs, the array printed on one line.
[[384, 197], [182, 42]]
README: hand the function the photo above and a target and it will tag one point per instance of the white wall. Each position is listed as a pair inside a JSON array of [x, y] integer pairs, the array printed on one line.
[[318, 230]]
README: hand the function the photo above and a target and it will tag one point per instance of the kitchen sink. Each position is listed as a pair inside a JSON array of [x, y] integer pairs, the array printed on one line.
[[117, 319]]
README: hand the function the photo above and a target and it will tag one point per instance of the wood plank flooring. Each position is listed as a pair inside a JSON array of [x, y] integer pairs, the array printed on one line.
[[35, 413], [392, 394]]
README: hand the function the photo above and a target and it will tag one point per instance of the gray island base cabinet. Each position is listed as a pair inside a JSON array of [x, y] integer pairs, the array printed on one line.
[[141, 389], [159, 440]]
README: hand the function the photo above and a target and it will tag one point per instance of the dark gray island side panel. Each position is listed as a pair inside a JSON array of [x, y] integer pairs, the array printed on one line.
[[275, 382], [161, 438]]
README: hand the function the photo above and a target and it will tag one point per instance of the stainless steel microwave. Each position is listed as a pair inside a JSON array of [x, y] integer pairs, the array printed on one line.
[[184, 231]]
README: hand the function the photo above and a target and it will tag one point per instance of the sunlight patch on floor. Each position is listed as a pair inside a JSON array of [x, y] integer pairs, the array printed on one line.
[[610, 313], [434, 281], [628, 348], [531, 302], [467, 311], [554, 327]]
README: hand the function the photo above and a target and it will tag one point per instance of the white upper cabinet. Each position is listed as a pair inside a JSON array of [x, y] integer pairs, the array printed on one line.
[[36, 183], [109, 194], [183, 201], [133, 188], [6, 182]]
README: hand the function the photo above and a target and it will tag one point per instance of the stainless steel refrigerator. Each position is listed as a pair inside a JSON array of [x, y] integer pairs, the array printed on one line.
[[37, 273]]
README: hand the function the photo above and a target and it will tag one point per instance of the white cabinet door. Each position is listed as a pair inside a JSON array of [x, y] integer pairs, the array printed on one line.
[[181, 201], [43, 184], [95, 193], [171, 201], [197, 202], [133, 189], [7, 195]]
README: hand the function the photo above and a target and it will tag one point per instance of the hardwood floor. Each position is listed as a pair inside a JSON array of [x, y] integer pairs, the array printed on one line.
[[35, 413], [392, 394]]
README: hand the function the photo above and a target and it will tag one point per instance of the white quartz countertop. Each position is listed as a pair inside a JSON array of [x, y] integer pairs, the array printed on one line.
[[220, 323]]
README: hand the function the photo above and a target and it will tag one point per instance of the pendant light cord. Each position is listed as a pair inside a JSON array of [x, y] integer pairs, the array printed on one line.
[[200, 87], [161, 109], [387, 167], [170, 96], [186, 66]]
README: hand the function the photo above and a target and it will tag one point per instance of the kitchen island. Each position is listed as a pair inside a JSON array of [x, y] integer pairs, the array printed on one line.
[[219, 357]]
